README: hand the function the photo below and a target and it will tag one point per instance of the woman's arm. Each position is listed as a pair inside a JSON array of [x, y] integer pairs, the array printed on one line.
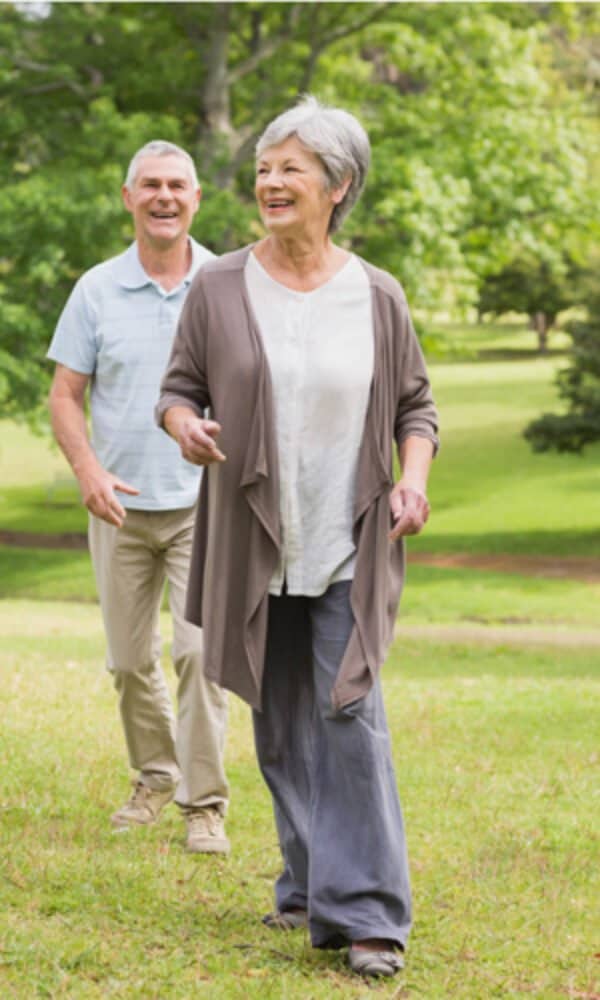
[[194, 435], [408, 499]]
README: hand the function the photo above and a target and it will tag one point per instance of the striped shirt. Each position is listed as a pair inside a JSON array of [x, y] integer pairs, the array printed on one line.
[[118, 327]]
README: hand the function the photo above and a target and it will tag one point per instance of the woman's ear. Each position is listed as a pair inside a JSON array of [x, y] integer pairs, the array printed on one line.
[[338, 194]]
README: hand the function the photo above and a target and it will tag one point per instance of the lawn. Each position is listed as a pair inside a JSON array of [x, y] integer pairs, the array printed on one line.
[[490, 493], [495, 745], [38, 491], [431, 595], [496, 754]]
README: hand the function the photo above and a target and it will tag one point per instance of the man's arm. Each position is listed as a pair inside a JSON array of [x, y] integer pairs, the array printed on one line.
[[408, 499], [67, 411]]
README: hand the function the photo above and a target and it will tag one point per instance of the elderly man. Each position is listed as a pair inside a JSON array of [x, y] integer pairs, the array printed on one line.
[[115, 335]]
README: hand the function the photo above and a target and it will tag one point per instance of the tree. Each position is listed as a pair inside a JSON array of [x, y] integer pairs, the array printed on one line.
[[579, 387], [540, 288], [83, 86], [476, 145]]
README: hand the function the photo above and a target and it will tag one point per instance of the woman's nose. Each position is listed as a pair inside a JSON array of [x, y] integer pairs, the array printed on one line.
[[274, 179]]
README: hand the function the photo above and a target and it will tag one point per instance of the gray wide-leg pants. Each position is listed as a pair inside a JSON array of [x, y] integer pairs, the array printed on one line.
[[332, 781]]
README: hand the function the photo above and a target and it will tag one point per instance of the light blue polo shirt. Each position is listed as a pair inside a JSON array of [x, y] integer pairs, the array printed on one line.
[[118, 327]]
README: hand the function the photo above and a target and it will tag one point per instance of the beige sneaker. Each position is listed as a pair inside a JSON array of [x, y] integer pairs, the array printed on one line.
[[206, 832], [142, 808]]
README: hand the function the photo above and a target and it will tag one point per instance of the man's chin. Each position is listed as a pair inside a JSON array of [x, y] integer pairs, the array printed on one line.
[[164, 238]]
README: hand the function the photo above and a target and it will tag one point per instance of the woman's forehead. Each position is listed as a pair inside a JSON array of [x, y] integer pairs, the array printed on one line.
[[290, 148]]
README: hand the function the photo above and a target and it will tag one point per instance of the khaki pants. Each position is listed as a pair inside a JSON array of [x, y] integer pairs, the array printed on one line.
[[131, 564]]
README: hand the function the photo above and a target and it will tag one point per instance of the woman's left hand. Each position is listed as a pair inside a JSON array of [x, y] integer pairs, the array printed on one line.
[[410, 510]]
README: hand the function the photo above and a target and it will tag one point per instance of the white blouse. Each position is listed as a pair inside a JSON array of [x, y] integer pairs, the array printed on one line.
[[319, 347]]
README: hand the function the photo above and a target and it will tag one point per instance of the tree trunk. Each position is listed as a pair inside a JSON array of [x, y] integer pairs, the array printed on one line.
[[215, 132], [541, 323]]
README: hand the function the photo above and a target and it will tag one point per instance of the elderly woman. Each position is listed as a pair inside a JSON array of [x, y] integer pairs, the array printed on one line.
[[306, 356]]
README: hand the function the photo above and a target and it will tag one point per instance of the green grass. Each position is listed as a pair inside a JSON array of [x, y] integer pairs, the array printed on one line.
[[495, 749], [49, 508], [489, 341], [496, 756], [465, 595], [489, 492], [38, 491], [432, 594], [46, 574]]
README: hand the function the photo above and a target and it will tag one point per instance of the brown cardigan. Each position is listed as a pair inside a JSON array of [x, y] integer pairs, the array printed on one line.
[[218, 360]]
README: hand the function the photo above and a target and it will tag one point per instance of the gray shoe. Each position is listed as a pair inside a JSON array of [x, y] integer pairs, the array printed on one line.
[[142, 807], [286, 920], [206, 831], [367, 962]]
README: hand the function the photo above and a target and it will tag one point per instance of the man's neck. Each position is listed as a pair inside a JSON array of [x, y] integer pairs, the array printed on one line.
[[167, 265]]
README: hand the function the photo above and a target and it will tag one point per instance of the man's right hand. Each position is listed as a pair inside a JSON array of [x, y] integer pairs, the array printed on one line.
[[97, 488]]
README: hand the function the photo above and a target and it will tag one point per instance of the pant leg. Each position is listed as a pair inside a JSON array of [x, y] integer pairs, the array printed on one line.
[[129, 571], [283, 739], [358, 876], [202, 705]]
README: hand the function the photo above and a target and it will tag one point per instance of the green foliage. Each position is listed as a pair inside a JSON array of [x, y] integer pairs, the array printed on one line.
[[475, 113], [579, 386], [528, 285], [539, 287]]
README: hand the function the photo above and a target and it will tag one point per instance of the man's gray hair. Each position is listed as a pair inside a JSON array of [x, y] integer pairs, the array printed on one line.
[[336, 137], [159, 147]]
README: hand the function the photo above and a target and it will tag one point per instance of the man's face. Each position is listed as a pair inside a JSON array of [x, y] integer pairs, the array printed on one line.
[[162, 200]]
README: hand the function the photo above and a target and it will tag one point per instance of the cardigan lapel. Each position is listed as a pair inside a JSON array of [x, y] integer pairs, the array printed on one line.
[[260, 473]]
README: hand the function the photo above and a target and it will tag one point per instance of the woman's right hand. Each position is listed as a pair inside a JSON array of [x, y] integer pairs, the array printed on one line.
[[197, 440]]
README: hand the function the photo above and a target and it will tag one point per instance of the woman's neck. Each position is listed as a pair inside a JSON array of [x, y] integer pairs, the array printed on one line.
[[301, 264]]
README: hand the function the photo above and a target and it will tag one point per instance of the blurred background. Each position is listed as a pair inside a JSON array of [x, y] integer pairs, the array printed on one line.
[[482, 200]]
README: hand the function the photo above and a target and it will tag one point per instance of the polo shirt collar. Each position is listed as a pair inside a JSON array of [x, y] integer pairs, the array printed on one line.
[[130, 273]]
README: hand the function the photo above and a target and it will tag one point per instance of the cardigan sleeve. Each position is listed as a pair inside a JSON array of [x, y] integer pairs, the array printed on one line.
[[416, 413], [185, 382]]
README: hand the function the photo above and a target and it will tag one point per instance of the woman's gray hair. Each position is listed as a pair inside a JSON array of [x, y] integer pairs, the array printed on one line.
[[159, 147], [336, 137]]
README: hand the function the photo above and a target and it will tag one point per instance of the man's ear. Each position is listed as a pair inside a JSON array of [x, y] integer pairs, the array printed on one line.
[[126, 196]]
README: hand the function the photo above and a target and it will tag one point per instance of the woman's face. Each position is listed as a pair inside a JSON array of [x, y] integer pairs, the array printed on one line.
[[291, 189]]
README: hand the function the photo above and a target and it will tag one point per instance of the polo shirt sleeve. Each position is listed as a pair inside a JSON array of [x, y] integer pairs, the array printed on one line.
[[74, 342]]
